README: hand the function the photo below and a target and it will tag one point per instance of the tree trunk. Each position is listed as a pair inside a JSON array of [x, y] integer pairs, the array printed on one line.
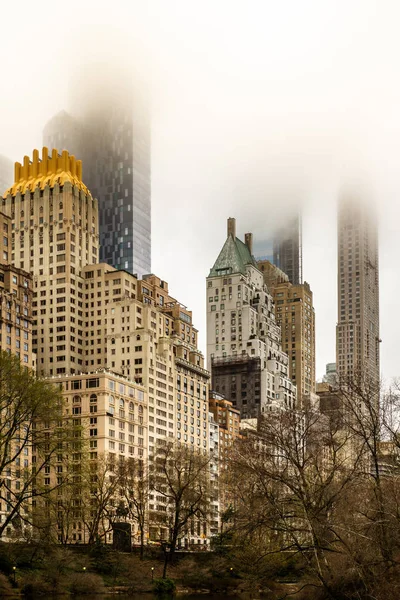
[[141, 543]]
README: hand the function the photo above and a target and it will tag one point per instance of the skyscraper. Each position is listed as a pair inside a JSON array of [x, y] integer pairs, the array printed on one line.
[[294, 313], [6, 173], [112, 137], [244, 347], [54, 235], [281, 244], [288, 252], [357, 332]]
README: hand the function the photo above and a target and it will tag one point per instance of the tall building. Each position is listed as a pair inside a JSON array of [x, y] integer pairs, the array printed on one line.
[[227, 419], [54, 236], [288, 251], [112, 137], [112, 412], [6, 171], [357, 332], [244, 347], [294, 313], [282, 246], [91, 319]]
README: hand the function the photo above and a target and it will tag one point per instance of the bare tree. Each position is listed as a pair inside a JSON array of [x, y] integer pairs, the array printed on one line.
[[32, 433], [134, 495], [366, 414], [99, 493], [180, 475], [291, 475]]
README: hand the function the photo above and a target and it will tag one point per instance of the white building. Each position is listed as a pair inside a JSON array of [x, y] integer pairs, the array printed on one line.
[[244, 346]]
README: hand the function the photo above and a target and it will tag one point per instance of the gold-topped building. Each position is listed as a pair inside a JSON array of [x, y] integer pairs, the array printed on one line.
[[46, 171], [54, 236]]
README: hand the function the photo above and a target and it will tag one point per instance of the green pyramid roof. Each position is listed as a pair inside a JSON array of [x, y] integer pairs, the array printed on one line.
[[233, 258]]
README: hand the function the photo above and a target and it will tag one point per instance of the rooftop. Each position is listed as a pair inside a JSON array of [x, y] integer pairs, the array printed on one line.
[[47, 171]]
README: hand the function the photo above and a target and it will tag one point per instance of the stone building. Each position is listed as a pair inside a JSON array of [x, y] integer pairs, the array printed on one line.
[[89, 317], [15, 338], [54, 236], [357, 332], [294, 313], [246, 359], [228, 420], [110, 412]]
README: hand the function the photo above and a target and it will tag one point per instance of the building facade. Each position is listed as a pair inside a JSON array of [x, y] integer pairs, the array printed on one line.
[[112, 137], [244, 346], [108, 413], [90, 318], [357, 332], [54, 236], [227, 419], [294, 313], [15, 338]]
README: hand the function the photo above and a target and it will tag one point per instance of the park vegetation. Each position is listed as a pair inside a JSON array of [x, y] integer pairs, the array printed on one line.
[[312, 501]]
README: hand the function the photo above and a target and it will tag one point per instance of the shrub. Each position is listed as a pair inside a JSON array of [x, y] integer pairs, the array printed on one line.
[[6, 563], [6, 588], [86, 583], [35, 585], [164, 586]]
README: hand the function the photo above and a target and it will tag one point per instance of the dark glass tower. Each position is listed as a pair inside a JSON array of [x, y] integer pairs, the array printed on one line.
[[112, 137], [282, 246], [288, 252]]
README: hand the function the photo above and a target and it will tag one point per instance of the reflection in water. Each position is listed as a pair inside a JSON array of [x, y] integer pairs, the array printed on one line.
[[152, 597]]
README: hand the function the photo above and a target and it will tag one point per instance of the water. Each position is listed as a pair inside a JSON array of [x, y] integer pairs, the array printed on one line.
[[149, 596]]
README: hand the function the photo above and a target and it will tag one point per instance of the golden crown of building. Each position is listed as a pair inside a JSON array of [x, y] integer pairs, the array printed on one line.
[[47, 171]]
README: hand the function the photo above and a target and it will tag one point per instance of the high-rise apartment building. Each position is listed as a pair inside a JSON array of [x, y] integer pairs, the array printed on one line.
[[15, 338], [112, 412], [227, 419], [244, 347], [294, 313], [6, 171], [54, 236], [90, 318], [357, 332], [112, 137]]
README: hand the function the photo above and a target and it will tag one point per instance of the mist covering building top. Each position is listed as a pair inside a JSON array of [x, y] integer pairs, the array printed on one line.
[[110, 131], [282, 246], [6, 171], [357, 332]]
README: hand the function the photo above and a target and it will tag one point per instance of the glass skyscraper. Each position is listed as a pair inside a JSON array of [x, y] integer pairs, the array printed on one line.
[[112, 137], [282, 246]]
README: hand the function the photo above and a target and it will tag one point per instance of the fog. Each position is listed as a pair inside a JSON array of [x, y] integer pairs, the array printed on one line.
[[257, 107]]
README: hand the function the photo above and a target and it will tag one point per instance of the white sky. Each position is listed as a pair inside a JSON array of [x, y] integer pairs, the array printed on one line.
[[257, 104]]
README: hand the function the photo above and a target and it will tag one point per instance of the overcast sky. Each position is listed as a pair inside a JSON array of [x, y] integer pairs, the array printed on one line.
[[257, 105]]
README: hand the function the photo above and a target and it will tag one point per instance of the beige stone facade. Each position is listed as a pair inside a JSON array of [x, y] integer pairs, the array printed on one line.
[[357, 332], [54, 236], [15, 338], [110, 413], [228, 420], [89, 318], [295, 315]]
